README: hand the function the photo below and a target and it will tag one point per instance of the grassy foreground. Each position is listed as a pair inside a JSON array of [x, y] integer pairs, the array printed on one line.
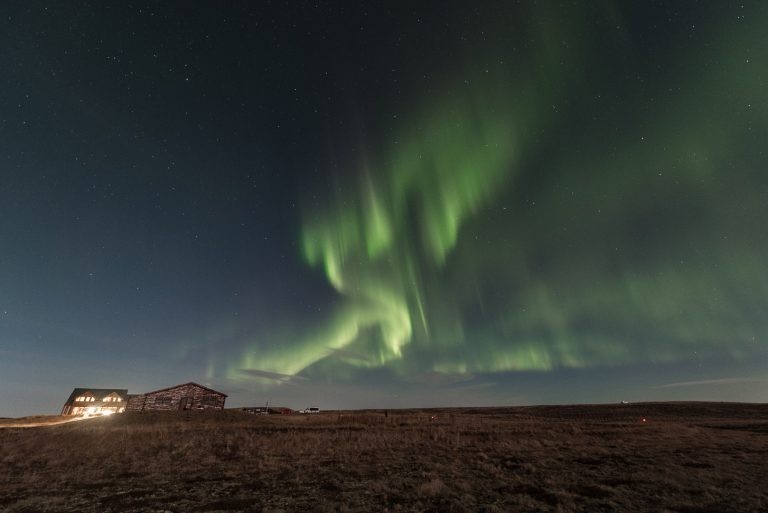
[[686, 457]]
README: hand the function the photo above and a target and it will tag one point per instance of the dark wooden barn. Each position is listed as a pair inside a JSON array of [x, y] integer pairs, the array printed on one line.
[[96, 401], [189, 396]]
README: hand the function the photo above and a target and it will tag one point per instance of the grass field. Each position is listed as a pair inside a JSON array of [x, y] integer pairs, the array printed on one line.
[[685, 457]]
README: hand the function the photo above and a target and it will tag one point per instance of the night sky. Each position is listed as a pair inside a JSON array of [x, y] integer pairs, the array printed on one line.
[[384, 205]]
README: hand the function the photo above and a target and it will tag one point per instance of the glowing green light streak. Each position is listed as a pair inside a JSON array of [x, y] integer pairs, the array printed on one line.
[[605, 267]]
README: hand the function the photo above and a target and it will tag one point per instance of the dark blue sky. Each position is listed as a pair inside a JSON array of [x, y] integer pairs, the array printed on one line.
[[384, 205]]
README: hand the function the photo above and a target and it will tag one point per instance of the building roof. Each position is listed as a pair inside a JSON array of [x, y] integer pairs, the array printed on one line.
[[185, 384], [98, 393]]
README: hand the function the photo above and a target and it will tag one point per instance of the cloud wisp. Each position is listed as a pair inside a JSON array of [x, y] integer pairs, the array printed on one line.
[[272, 376], [717, 381]]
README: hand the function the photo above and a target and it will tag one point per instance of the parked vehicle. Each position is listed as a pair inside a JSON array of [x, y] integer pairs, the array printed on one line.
[[311, 409]]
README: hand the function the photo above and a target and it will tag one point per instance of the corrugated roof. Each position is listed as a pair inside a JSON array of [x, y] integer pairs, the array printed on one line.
[[99, 393]]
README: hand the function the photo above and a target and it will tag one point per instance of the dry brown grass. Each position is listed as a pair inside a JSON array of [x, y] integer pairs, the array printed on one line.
[[687, 458]]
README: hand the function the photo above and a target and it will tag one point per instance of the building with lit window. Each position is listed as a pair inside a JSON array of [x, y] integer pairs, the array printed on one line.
[[96, 401]]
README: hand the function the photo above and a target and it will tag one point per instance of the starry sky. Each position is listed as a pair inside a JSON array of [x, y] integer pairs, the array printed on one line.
[[354, 204]]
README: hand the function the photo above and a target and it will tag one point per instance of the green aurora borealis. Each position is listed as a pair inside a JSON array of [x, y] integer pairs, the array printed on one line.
[[385, 204], [553, 207]]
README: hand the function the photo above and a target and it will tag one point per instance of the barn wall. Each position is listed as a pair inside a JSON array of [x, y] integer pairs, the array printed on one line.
[[135, 403], [171, 398]]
